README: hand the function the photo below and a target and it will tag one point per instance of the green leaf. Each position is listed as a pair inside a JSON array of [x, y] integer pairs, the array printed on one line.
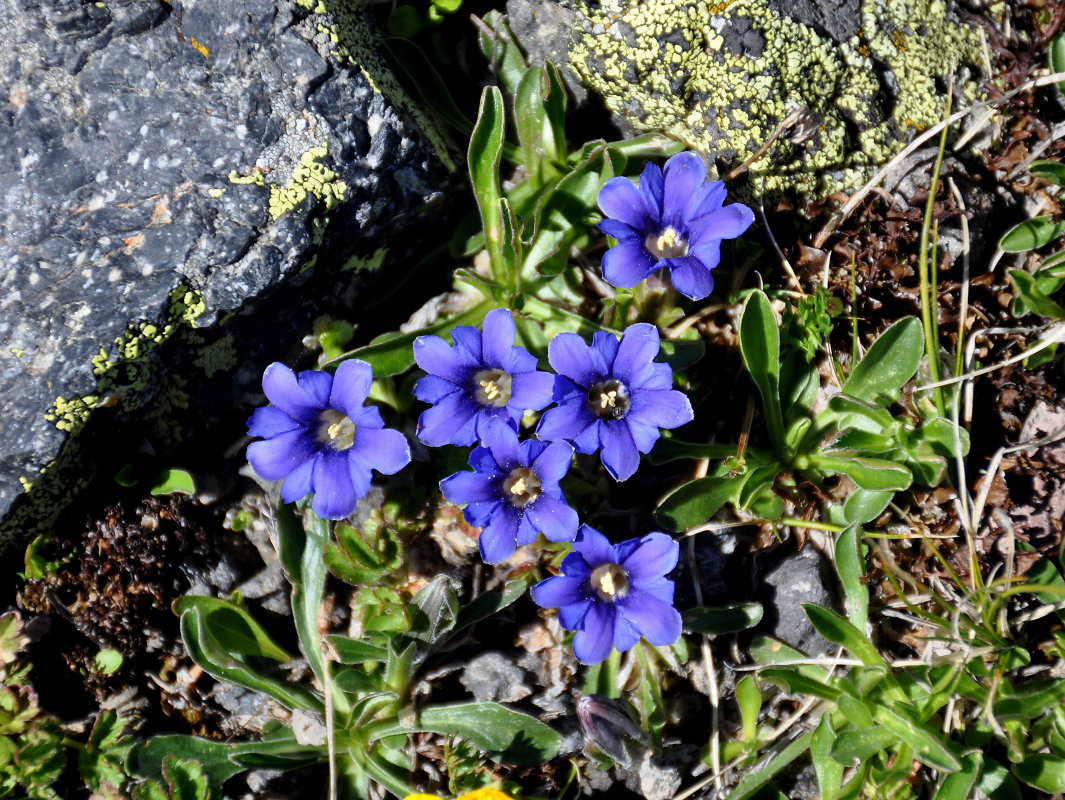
[[760, 347], [749, 699], [850, 412], [488, 603], [501, 51], [696, 501], [864, 506], [1043, 771], [107, 662], [1051, 170], [792, 681], [719, 620], [927, 745], [874, 474], [960, 785], [434, 611], [357, 561], [854, 746], [667, 450], [1031, 234], [752, 782], [227, 622], [485, 152], [997, 783], [889, 363], [647, 146], [829, 771], [850, 567], [1056, 57], [531, 116], [509, 736], [104, 754], [839, 631], [356, 651], [173, 481], [1032, 299]]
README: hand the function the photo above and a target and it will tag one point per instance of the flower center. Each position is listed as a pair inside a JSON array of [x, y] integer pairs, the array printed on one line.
[[609, 399], [521, 487], [610, 582], [668, 244], [492, 387], [336, 430]]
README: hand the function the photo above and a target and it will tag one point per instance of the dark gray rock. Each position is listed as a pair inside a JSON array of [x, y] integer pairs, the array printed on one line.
[[162, 166], [803, 577]]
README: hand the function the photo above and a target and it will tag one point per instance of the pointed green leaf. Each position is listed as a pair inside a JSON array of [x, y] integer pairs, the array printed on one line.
[[890, 362], [829, 771], [855, 746], [839, 631], [696, 501], [760, 347], [874, 474], [719, 620], [851, 569], [1031, 234]]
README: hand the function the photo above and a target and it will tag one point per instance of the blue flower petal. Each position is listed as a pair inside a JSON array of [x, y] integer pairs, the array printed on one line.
[[595, 639], [432, 388], [480, 514], [383, 449], [603, 351], [691, 277], [531, 390], [450, 421], [645, 436], [685, 173], [663, 409], [570, 356], [273, 459], [470, 487], [489, 417], [628, 264], [516, 360], [526, 530], [468, 343], [724, 223], [636, 352], [574, 566], [482, 460], [708, 253], [552, 463], [619, 453], [625, 634], [499, 538], [299, 482], [498, 338], [654, 557], [502, 440], [571, 617], [620, 199], [316, 386], [659, 622], [437, 357], [662, 588], [651, 187], [709, 198], [558, 591], [361, 478], [553, 518], [283, 390], [270, 421], [334, 493], [620, 231], [593, 546], [588, 440], [351, 386]]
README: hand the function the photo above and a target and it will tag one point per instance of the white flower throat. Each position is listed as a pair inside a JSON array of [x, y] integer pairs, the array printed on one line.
[[610, 582], [667, 244], [336, 430], [521, 487], [492, 387]]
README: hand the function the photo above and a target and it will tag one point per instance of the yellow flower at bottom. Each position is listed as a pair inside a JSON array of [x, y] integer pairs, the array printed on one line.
[[479, 794]]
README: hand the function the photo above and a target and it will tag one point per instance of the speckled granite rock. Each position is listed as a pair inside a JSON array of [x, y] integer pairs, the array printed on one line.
[[720, 75], [163, 165]]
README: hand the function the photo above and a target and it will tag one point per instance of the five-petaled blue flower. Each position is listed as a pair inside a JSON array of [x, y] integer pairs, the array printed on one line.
[[481, 378], [513, 491], [673, 222], [612, 396], [611, 595], [320, 437]]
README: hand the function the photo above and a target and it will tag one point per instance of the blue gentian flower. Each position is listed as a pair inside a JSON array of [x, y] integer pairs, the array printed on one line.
[[513, 492], [673, 222], [611, 595], [612, 396], [320, 437], [481, 378]]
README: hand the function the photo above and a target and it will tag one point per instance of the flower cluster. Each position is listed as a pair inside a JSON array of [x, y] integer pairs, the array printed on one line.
[[320, 437], [673, 221]]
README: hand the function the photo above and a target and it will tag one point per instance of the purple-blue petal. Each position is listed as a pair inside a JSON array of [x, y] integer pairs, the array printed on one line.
[[432, 388], [593, 547], [724, 223], [659, 622], [574, 566], [603, 351], [571, 357], [502, 440], [499, 538], [557, 591], [351, 386], [691, 277], [619, 453], [628, 264], [709, 198], [571, 617], [482, 460], [481, 514], [595, 639], [661, 408], [334, 493], [651, 187], [654, 556], [437, 357], [662, 588], [708, 253], [316, 386], [685, 173], [588, 441], [361, 478], [383, 449], [620, 199], [283, 390], [552, 463], [637, 350], [625, 634], [619, 230], [553, 518], [468, 343], [643, 435], [515, 360], [470, 487], [450, 421], [498, 338], [270, 421], [531, 390], [526, 529], [273, 459], [299, 483]]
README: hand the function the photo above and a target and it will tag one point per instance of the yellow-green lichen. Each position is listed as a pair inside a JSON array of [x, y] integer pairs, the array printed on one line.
[[215, 193], [721, 76], [359, 263], [219, 356], [309, 177]]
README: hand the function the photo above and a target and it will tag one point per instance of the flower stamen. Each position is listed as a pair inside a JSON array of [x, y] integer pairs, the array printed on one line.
[[668, 244], [610, 582], [493, 387], [521, 487], [609, 399], [336, 430]]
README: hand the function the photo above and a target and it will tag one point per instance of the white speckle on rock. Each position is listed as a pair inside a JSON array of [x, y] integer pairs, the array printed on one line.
[[133, 157], [95, 204], [144, 130], [374, 123], [219, 163], [114, 274], [241, 131], [146, 270], [101, 176], [35, 278]]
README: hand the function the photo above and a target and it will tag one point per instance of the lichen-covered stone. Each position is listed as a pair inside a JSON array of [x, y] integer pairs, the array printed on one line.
[[163, 166], [720, 75]]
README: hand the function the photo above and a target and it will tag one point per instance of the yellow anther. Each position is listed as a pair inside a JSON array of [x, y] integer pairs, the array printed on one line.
[[518, 487], [491, 389], [606, 583], [608, 399]]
